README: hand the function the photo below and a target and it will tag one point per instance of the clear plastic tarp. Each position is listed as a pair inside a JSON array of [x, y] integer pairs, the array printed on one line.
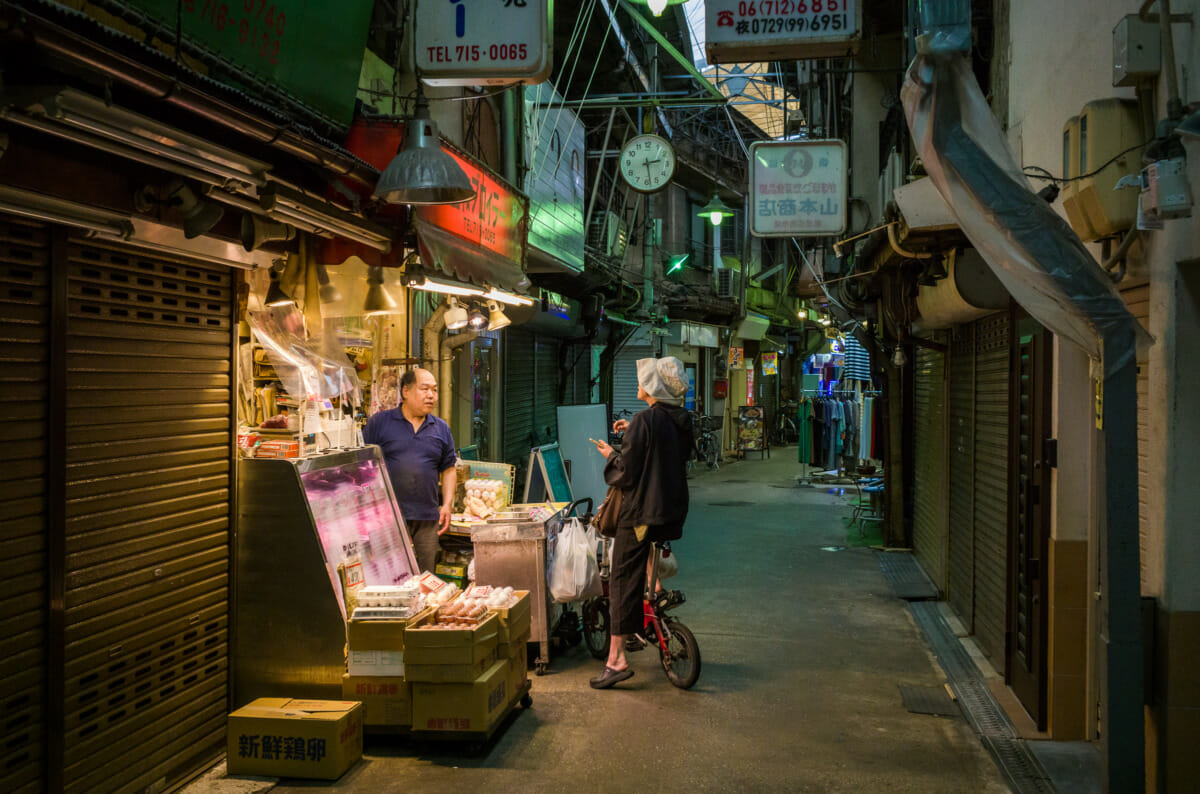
[[1030, 248], [307, 367]]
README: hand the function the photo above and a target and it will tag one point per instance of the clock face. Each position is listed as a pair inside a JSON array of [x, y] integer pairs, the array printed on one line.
[[647, 163]]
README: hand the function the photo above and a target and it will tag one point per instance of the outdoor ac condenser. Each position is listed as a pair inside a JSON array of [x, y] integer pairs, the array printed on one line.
[[727, 282]]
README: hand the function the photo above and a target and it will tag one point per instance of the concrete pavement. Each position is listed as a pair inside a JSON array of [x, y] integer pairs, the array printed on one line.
[[803, 652]]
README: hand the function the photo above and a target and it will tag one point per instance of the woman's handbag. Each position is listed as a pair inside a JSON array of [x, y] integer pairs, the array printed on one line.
[[605, 520]]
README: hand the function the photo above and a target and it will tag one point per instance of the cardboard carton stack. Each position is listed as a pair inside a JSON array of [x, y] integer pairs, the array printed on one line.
[[466, 679], [281, 737]]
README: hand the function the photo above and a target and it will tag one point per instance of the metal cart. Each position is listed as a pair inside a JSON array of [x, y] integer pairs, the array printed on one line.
[[511, 550]]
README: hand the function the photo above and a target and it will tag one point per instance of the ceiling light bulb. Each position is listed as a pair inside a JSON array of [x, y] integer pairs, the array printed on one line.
[[478, 319], [898, 358], [456, 315], [657, 6], [715, 211]]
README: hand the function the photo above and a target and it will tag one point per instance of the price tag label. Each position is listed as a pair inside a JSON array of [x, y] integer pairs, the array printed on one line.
[[479, 591]]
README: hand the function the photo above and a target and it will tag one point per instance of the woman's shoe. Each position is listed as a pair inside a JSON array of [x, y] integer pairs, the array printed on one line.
[[610, 677]]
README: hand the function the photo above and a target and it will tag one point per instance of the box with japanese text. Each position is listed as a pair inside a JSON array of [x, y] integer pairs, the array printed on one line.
[[282, 737], [450, 646], [518, 669], [386, 701], [473, 707]]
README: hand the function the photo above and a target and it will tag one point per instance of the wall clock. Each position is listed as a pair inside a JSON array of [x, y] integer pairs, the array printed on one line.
[[647, 163]]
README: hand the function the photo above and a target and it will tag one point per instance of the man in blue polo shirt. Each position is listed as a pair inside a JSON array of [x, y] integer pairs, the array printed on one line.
[[417, 446]]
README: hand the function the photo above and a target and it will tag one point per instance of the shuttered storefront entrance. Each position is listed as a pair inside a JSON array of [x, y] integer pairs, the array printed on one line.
[[24, 387], [148, 478], [929, 464], [121, 450], [1138, 301], [548, 372], [518, 397], [978, 478], [625, 381], [991, 483]]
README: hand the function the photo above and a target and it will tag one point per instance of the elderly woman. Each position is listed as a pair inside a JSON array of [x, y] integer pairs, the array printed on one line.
[[651, 471]]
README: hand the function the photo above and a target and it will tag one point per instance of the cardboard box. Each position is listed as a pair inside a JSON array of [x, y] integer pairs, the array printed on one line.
[[278, 449], [454, 570], [376, 647], [386, 700], [473, 707], [518, 670], [515, 621], [282, 737], [464, 646], [509, 650], [449, 673]]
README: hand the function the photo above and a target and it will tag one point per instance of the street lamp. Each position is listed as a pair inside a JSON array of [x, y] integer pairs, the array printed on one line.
[[715, 211]]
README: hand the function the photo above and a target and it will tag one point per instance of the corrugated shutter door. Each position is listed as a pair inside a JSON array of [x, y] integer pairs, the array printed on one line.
[[1138, 301], [24, 376], [625, 382], [548, 375], [149, 457], [518, 396], [961, 575], [929, 465], [991, 484]]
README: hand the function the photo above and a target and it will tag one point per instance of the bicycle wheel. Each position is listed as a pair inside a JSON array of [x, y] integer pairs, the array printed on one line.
[[682, 660], [595, 626], [708, 452]]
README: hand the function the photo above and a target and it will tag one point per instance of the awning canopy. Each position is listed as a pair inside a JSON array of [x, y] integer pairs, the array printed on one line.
[[460, 259]]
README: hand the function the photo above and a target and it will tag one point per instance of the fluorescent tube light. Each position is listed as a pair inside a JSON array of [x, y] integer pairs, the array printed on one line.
[[512, 299], [429, 284], [51, 209], [283, 203]]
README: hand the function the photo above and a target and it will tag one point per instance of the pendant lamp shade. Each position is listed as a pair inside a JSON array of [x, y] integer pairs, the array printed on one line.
[[456, 315], [715, 211], [275, 294], [421, 173], [497, 319], [379, 300], [328, 293]]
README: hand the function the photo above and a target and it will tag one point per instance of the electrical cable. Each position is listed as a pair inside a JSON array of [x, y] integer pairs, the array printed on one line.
[[1051, 178]]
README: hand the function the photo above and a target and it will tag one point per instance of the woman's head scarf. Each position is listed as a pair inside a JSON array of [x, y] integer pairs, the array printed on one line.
[[664, 379]]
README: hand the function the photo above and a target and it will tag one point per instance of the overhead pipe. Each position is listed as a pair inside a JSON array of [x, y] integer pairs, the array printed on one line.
[[90, 55], [445, 359]]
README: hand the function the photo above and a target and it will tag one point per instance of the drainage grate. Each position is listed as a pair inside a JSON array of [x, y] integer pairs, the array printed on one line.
[[905, 576], [1018, 765], [928, 700]]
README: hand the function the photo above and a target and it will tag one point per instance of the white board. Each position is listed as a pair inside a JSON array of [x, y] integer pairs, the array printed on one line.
[[576, 424]]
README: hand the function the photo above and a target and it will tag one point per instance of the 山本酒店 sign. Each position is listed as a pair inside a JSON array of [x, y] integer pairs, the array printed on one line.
[[770, 30], [798, 188], [482, 42]]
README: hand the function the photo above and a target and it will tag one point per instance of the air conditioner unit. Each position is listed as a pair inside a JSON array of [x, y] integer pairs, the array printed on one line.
[[1100, 142], [727, 283]]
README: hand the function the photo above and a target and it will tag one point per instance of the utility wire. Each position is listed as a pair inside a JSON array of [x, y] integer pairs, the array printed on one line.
[[1052, 178]]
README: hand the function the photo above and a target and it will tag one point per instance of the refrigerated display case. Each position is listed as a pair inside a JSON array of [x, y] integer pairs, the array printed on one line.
[[304, 526]]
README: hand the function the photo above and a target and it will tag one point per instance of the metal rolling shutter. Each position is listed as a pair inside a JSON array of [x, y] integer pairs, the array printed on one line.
[[1138, 301], [149, 464], [961, 574], [991, 484], [24, 382], [625, 382], [929, 465], [518, 397], [547, 375]]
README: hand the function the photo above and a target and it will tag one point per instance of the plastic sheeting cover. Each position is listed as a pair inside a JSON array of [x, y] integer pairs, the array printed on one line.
[[1029, 247], [315, 366]]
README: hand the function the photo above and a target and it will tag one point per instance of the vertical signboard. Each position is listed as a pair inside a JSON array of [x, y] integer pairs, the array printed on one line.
[[798, 188]]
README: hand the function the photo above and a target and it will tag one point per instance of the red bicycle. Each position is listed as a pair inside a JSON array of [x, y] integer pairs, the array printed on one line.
[[677, 647]]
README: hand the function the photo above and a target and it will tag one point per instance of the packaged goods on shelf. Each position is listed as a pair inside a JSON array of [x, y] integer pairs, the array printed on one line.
[[485, 496], [282, 737]]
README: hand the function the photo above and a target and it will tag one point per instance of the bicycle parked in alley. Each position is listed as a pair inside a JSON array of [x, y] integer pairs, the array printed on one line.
[[677, 647], [707, 443]]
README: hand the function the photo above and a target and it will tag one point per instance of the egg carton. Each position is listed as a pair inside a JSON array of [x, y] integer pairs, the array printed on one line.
[[382, 613]]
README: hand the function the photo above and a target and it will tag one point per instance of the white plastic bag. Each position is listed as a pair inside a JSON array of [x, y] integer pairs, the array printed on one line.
[[574, 573], [668, 564]]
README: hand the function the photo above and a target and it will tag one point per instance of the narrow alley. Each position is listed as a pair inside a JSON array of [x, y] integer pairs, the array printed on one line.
[[804, 650]]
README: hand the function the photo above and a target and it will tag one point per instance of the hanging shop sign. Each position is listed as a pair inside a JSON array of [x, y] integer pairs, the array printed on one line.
[[770, 363], [483, 43], [310, 49], [749, 383], [735, 358], [798, 188], [555, 146], [771, 30]]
